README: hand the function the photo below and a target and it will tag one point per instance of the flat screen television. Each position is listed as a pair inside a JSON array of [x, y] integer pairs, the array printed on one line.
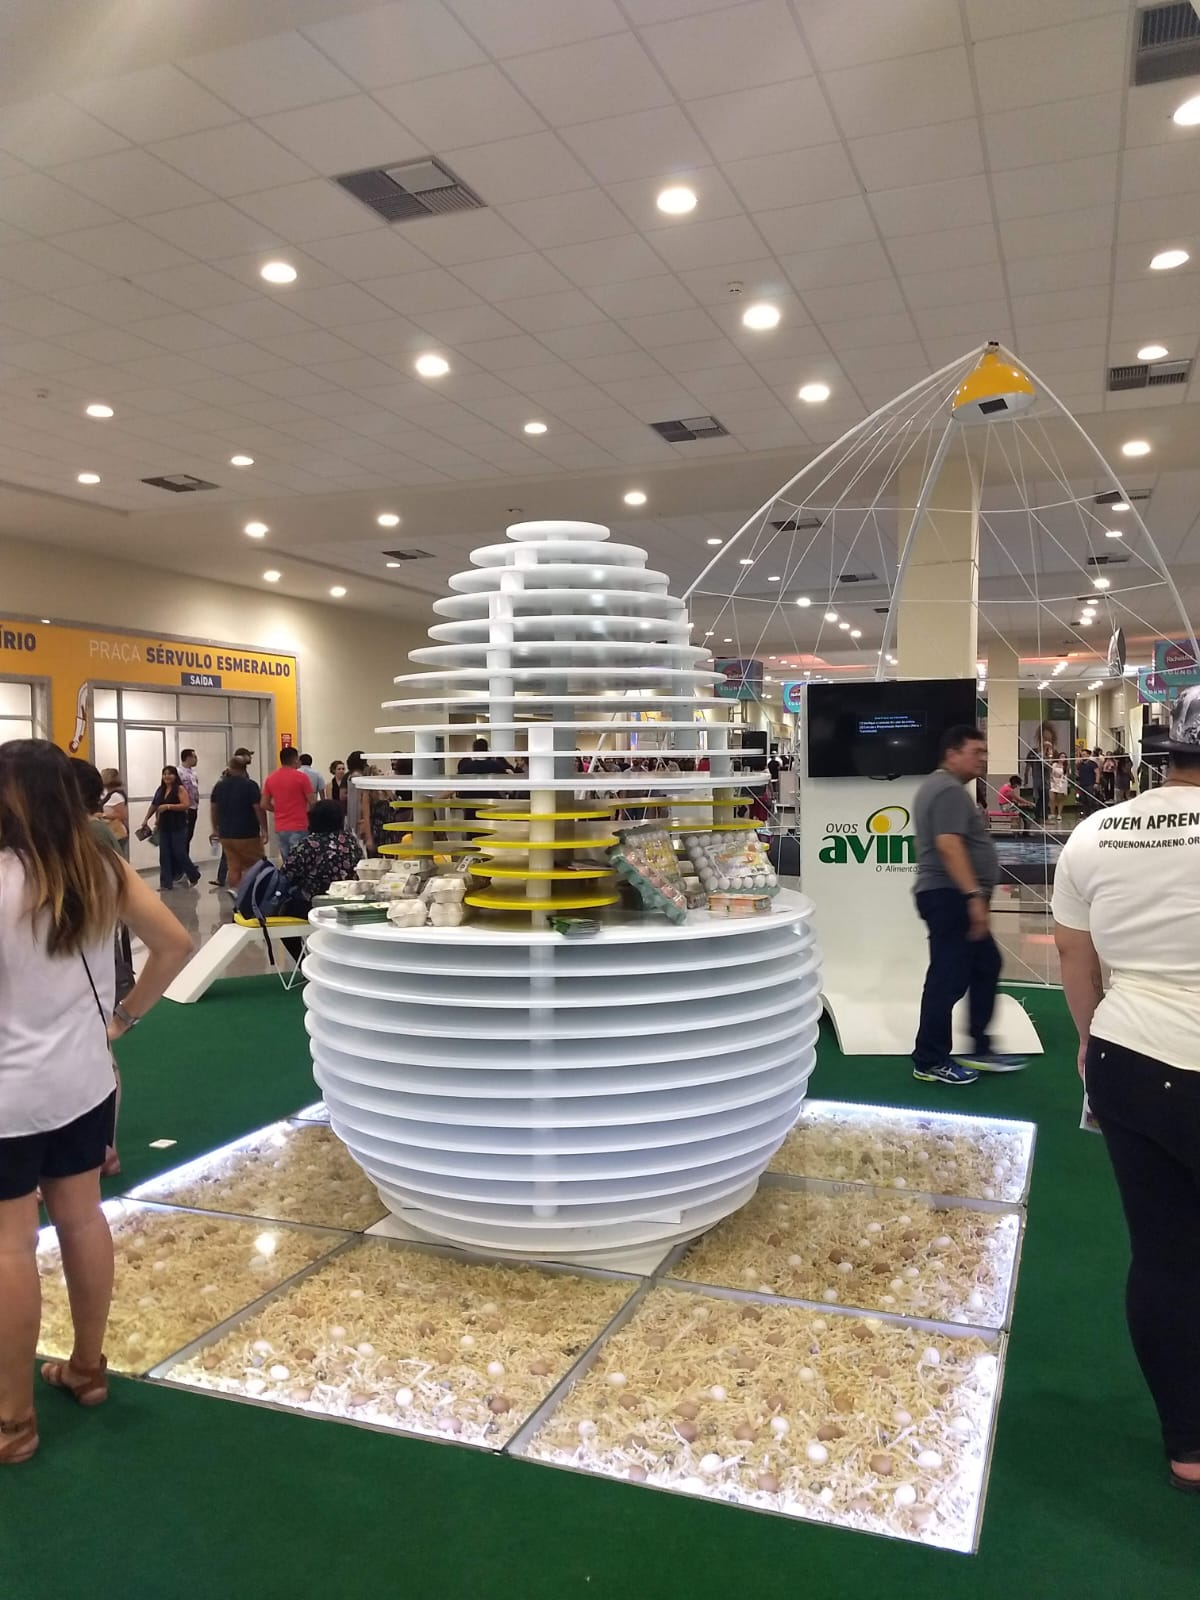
[[883, 730]]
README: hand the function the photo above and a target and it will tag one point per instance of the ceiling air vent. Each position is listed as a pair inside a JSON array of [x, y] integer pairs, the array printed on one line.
[[1168, 43], [179, 483], [798, 524], [690, 428], [857, 577], [415, 189], [1106, 561], [1111, 496], [1147, 376], [408, 555]]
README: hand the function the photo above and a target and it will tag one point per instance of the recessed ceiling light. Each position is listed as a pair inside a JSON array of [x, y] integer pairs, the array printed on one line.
[[761, 316], [98, 409], [714, 541], [393, 563], [1114, 533], [1152, 352], [813, 393], [1135, 447], [1101, 583], [634, 497], [277, 272], [773, 577], [676, 201], [1188, 114], [337, 591], [271, 576], [726, 641], [803, 600], [1119, 505], [256, 530], [831, 616], [1045, 683], [844, 626], [241, 461], [1085, 622], [535, 427], [856, 633], [46, 622], [892, 660], [88, 477], [432, 366], [746, 561], [1165, 260], [388, 519], [710, 633]]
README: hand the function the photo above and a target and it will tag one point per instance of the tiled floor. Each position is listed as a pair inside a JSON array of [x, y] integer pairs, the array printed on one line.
[[791, 1361]]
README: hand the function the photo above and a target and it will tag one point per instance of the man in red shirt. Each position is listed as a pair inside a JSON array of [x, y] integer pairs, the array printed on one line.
[[289, 796]]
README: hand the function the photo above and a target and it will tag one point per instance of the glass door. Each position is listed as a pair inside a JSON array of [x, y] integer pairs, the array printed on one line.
[[145, 757]]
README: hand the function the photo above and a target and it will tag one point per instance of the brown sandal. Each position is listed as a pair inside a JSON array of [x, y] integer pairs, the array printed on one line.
[[92, 1391], [18, 1440]]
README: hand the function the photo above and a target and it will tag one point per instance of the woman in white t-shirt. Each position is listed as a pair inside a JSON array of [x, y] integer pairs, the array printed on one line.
[[1058, 786], [61, 894], [1127, 897]]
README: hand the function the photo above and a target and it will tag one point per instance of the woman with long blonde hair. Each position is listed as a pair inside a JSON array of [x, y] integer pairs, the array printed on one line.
[[62, 893]]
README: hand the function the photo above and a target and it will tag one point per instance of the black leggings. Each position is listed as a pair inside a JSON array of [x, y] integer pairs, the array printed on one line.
[[1150, 1117]]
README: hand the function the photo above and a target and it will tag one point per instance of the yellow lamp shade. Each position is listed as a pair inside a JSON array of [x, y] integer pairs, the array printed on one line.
[[995, 389]]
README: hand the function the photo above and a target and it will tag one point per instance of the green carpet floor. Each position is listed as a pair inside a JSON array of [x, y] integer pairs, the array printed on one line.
[[169, 1496]]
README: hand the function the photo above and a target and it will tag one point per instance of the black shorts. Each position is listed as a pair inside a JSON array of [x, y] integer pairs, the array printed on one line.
[[61, 1153]]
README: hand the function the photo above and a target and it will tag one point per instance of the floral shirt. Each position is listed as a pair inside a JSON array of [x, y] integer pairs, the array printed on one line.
[[320, 859]]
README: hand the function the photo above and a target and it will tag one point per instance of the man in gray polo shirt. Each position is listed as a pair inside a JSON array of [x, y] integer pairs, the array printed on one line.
[[957, 870]]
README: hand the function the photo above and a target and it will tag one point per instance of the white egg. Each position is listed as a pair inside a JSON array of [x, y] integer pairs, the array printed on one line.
[[356, 1294], [617, 1379], [750, 1274], [912, 1273], [495, 1369], [874, 1227], [845, 1267], [930, 1460], [711, 1463], [255, 1385], [780, 1426], [826, 1496], [717, 1392], [467, 1342], [795, 1261], [899, 1183], [337, 1332], [817, 1454], [806, 1374], [586, 1430], [901, 1417], [830, 1295], [765, 1288], [262, 1347], [904, 1220], [489, 1308], [819, 1325], [931, 1358], [887, 1299], [943, 1242], [975, 1301], [922, 1156], [404, 1397], [366, 1349], [279, 1372], [905, 1495], [961, 1426], [988, 1193], [896, 1283]]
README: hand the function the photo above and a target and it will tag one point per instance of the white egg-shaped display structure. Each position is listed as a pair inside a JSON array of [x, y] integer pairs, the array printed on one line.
[[510, 1088]]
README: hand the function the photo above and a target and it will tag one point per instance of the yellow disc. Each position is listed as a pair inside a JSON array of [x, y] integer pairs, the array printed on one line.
[[485, 869], [602, 843], [545, 816], [518, 902], [433, 827], [437, 847]]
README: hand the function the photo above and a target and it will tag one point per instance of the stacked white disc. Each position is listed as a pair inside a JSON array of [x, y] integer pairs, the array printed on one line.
[[506, 1087]]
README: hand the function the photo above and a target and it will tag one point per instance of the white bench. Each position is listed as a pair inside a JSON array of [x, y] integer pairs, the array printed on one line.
[[214, 959]]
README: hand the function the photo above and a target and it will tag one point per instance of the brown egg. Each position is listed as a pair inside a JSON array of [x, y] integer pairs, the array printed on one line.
[[830, 1430], [881, 1269], [499, 1403], [688, 1409], [881, 1464], [638, 1474], [539, 1367], [921, 1516], [768, 1482], [630, 1402], [210, 1363], [843, 1403], [775, 1238], [300, 1395], [860, 1503], [880, 1371], [750, 1314], [655, 1341], [776, 1400], [633, 1441], [775, 1338], [426, 1328], [687, 1430], [360, 1399], [443, 1356], [908, 1251], [745, 1430], [304, 1354]]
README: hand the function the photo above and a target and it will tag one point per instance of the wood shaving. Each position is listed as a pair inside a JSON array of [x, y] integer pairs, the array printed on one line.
[[976, 1158], [779, 1408], [405, 1339], [177, 1274], [863, 1249], [289, 1173]]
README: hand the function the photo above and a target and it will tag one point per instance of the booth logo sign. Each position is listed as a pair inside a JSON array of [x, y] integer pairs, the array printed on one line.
[[881, 841]]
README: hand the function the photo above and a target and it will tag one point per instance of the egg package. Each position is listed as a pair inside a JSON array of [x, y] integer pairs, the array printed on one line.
[[447, 889], [406, 913], [645, 859], [732, 866]]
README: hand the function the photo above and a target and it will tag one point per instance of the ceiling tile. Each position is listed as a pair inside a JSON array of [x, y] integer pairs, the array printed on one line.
[[397, 43], [236, 159], [793, 177], [168, 370], [35, 265], [611, 76], [1160, 293], [270, 74], [1055, 187], [461, 108], [707, 244], [840, 301], [588, 339], [954, 286], [132, 183], [1066, 129], [1146, 174], [286, 382], [590, 215], [395, 339], [38, 204], [345, 135], [985, 20], [181, 331], [906, 93], [316, 209], [526, 168], [239, 359], [1158, 223], [971, 323], [853, 263], [498, 355], [213, 230], [336, 305], [536, 24], [569, 308], [259, 318], [674, 328], [641, 12], [929, 206], [221, 392], [50, 130], [720, 51], [870, 330], [876, 30], [643, 296], [765, 120], [194, 287], [467, 237], [377, 254], [702, 359], [413, 292], [1027, 68], [1149, 112], [122, 248], [512, 277], [829, 222], [1074, 334], [761, 278], [359, 373], [945, 150], [38, 317], [155, 103], [310, 348], [36, 355], [604, 261], [1090, 229], [1059, 305], [647, 144], [1081, 268], [463, 323]]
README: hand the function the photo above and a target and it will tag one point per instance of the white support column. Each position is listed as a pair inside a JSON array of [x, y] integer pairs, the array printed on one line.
[[938, 606]]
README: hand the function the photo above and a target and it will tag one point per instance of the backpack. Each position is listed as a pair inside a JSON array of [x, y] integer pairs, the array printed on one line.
[[264, 891]]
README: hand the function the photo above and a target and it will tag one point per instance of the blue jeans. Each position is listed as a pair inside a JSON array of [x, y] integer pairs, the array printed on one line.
[[288, 839], [957, 966], [173, 859]]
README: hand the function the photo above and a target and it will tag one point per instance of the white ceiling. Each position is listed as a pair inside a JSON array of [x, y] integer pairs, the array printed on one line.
[[904, 178]]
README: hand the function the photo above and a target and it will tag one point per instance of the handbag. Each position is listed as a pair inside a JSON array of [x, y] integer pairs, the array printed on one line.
[[143, 833]]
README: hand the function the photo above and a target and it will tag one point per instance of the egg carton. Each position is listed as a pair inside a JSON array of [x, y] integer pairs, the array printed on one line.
[[731, 867]]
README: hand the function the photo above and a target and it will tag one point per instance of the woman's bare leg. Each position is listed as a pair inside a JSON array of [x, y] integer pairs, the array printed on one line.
[[20, 1305], [87, 1258]]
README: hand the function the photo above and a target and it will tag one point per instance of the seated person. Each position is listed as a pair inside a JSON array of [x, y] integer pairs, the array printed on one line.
[[1010, 801], [326, 854]]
